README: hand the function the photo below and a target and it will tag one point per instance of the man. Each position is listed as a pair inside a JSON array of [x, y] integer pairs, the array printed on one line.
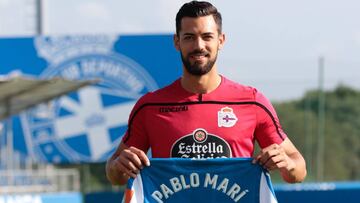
[[203, 114]]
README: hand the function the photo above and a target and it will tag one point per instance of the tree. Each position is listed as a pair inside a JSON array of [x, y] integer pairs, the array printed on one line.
[[342, 131]]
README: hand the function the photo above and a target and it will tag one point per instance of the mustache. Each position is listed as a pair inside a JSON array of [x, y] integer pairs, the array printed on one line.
[[199, 52]]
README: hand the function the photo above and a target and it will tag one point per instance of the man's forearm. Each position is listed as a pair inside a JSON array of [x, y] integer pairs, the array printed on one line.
[[113, 175], [296, 172]]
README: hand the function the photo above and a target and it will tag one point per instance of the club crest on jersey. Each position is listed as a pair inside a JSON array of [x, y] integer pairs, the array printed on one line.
[[226, 117], [200, 145]]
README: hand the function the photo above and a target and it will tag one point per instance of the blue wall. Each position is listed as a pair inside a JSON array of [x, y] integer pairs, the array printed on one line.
[[331, 192], [103, 197]]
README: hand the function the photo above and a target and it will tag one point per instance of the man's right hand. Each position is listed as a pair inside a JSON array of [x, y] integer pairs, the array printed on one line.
[[124, 163]]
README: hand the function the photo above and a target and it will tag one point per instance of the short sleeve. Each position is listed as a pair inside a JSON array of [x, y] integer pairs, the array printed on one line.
[[268, 129], [136, 132]]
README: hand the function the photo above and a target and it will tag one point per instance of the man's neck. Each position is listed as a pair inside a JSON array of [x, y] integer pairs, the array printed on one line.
[[201, 84]]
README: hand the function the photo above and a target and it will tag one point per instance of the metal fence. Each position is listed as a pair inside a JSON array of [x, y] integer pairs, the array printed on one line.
[[40, 180]]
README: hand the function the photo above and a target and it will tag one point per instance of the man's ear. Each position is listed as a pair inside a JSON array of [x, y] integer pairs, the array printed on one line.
[[221, 40], [176, 42]]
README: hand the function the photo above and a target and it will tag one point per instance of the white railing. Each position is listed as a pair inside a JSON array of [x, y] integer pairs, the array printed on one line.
[[21, 174], [39, 180]]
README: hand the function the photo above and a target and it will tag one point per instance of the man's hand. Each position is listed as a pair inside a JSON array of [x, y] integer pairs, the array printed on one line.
[[284, 157], [274, 157], [126, 162]]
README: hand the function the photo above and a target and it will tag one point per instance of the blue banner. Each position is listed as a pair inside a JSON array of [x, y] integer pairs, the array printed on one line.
[[87, 125]]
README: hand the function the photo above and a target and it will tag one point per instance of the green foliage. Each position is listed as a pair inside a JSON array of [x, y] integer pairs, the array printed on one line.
[[342, 131]]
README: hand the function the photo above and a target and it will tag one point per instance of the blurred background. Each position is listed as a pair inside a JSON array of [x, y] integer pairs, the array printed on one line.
[[304, 56]]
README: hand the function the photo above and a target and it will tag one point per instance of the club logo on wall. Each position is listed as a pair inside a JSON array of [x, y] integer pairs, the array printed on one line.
[[87, 125]]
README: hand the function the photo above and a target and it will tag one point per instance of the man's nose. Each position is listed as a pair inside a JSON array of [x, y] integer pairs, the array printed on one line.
[[199, 43]]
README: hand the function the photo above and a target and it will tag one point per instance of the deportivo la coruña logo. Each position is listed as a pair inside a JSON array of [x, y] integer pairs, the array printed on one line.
[[87, 125], [226, 117], [201, 145]]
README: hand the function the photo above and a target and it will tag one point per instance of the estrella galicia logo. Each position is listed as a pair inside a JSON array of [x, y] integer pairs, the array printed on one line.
[[85, 126], [201, 145]]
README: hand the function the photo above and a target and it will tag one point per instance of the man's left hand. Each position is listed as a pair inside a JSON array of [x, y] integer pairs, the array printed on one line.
[[274, 157]]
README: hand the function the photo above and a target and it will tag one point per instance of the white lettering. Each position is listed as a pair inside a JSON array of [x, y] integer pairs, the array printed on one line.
[[200, 149], [175, 183], [223, 185], [233, 190], [212, 181], [185, 156], [194, 180], [72, 72], [205, 149], [242, 194], [157, 196], [219, 149], [109, 68], [166, 191], [183, 182], [181, 148]]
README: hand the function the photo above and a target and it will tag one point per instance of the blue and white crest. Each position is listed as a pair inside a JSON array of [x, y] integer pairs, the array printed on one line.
[[226, 117], [85, 126]]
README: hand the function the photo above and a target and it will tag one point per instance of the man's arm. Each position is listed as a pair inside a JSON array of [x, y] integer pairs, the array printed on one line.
[[286, 158], [124, 163]]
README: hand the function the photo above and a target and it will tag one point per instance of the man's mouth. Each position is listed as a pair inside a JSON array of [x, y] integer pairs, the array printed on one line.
[[199, 56]]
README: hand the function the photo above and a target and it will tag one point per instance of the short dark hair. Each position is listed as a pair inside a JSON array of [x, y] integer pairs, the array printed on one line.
[[198, 9]]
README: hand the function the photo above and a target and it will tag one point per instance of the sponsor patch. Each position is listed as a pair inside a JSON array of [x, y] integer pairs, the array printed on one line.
[[201, 145]]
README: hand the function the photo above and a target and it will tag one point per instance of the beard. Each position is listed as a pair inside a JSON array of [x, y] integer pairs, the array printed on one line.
[[196, 68]]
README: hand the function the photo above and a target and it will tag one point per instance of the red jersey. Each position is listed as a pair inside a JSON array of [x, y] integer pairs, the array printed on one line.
[[173, 122]]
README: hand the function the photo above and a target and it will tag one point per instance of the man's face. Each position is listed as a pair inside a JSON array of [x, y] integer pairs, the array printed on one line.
[[198, 43]]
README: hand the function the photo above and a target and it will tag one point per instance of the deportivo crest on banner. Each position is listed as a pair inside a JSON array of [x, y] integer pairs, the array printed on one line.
[[201, 145], [87, 125], [84, 118], [226, 117]]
